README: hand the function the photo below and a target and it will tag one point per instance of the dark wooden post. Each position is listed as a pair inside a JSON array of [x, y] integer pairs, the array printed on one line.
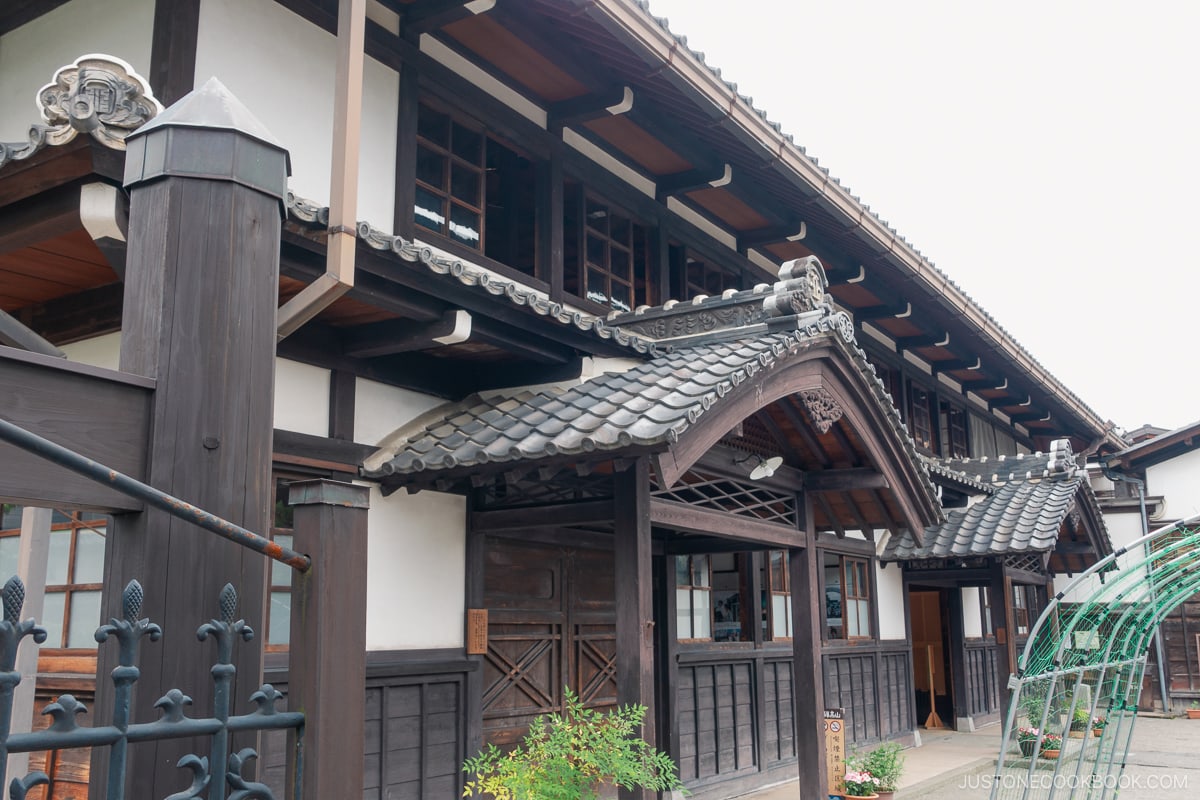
[[808, 691], [960, 692], [635, 590], [327, 667], [206, 184], [1000, 599]]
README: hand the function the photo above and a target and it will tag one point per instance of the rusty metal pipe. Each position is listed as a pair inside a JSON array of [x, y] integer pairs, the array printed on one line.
[[93, 470]]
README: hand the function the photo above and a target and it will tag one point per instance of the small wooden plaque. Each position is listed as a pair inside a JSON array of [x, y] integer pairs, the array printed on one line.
[[1001, 636], [835, 748], [477, 631]]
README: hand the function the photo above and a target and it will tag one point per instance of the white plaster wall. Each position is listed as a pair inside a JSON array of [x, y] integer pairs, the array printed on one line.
[[1178, 481], [380, 409], [31, 54], [99, 351], [890, 583], [416, 562], [972, 614], [282, 68], [1123, 527], [301, 397]]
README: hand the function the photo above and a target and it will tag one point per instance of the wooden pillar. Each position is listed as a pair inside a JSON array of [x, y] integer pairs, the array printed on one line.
[[956, 641], [206, 184], [327, 667], [808, 691], [635, 589], [1000, 599]]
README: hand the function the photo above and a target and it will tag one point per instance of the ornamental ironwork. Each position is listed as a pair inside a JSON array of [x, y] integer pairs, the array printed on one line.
[[219, 775]]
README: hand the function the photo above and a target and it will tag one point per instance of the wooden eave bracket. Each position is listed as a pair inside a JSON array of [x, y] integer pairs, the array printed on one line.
[[428, 15], [405, 336], [104, 213], [683, 182], [792, 232]]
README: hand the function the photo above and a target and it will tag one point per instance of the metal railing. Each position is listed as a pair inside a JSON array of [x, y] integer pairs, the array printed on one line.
[[215, 776]]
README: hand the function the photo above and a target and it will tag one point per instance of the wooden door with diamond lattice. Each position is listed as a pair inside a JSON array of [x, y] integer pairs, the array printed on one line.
[[551, 623]]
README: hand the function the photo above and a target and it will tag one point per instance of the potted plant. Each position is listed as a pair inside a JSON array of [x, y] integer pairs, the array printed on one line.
[[1027, 739], [572, 756], [860, 784], [1193, 710], [1098, 725], [1051, 745], [1080, 721], [886, 764]]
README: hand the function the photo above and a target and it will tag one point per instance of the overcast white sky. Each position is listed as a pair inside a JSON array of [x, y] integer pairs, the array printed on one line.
[[1042, 154]]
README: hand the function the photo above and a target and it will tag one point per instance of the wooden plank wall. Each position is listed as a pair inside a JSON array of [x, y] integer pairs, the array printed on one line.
[[716, 720], [982, 677], [873, 683]]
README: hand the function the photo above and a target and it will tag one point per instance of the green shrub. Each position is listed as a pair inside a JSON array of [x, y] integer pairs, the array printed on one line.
[[886, 763], [570, 757]]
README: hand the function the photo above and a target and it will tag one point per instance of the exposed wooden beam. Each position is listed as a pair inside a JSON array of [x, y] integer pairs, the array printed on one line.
[[610, 102], [405, 336], [683, 517], [428, 15], [551, 516], [521, 343], [82, 315], [955, 365], [1030, 416], [679, 183], [14, 334], [37, 219], [834, 522], [935, 339], [899, 310], [984, 383], [16, 13], [844, 480], [788, 232], [173, 44]]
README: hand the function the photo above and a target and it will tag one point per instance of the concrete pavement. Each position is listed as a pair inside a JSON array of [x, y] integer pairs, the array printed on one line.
[[1163, 762]]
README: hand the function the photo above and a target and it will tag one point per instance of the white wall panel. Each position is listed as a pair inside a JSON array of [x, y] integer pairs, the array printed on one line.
[[890, 582], [281, 67], [416, 562], [301, 397], [100, 351], [380, 409]]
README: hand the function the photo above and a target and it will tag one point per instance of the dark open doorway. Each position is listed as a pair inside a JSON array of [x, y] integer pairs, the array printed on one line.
[[932, 672]]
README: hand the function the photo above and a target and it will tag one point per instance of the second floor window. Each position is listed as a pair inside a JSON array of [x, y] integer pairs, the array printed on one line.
[[607, 253], [474, 190], [920, 423]]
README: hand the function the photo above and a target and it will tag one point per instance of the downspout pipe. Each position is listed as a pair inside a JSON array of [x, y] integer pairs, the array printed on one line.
[[338, 277], [1159, 651]]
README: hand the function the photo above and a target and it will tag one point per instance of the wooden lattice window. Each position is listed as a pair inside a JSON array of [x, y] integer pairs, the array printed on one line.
[[703, 489], [473, 189], [847, 597], [693, 597], [779, 590], [955, 442], [698, 275], [606, 252], [920, 423]]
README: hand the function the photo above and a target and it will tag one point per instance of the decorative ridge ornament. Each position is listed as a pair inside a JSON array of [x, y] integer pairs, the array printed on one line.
[[97, 94]]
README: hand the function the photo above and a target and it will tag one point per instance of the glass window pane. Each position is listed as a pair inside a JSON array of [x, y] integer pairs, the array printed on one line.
[[279, 625], [700, 571], [777, 570], [53, 605], [701, 623], [431, 168], [683, 613], [464, 184], [85, 618], [619, 264], [433, 126], [779, 616], [597, 286], [682, 573], [620, 229], [59, 558], [89, 556], [622, 297], [597, 215], [467, 144], [281, 574], [10, 546], [429, 213], [464, 226], [597, 251]]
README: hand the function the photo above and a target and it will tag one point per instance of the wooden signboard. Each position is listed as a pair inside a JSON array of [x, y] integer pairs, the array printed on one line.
[[477, 630], [835, 748]]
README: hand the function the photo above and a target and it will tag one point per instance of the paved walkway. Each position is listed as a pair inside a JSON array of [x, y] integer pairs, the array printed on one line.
[[1164, 762]]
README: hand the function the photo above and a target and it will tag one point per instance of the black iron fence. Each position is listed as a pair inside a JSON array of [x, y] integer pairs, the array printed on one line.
[[215, 776]]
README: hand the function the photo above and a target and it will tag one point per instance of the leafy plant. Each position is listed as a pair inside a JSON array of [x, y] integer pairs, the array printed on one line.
[[1028, 734], [571, 756], [859, 783], [886, 763], [1099, 722], [1080, 719], [1051, 741]]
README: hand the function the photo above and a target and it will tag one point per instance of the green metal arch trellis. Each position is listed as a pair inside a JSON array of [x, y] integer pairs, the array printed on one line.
[[1081, 671]]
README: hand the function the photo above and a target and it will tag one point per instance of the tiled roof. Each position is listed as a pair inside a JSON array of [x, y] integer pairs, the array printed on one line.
[[651, 404], [943, 472], [440, 263], [1022, 516], [1003, 468]]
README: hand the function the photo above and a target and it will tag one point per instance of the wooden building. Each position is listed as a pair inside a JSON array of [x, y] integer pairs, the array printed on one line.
[[640, 389]]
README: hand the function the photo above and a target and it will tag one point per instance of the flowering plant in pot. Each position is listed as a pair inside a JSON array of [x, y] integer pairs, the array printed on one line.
[[572, 756], [886, 764], [1051, 745], [860, 783], [1098, 725], [1080, 722], [1027, 738], [1193, 710]]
